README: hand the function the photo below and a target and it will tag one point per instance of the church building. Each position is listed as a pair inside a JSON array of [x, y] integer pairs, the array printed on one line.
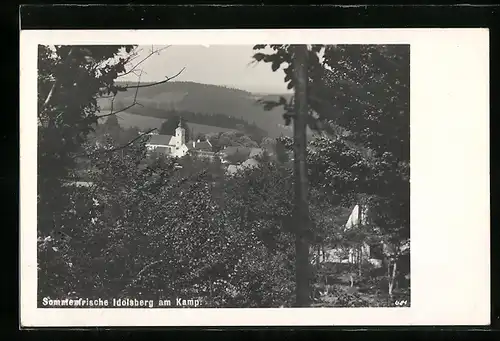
[[176, 145]]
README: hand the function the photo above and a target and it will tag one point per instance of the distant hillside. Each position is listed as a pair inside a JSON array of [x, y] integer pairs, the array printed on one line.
[[128, 120], [193, 97]]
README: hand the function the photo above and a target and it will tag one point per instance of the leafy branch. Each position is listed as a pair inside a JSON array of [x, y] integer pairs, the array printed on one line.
[[50, 96]]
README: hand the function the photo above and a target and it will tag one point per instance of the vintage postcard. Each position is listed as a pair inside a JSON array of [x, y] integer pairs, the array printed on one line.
[[254, 177]]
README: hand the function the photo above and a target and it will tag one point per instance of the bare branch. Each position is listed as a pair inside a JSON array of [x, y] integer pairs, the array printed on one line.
[[130, 142], [137, 89], [112, 112], [138, 276], [135, 55], [127, 107], [155, 83], [132, 70], [136, 92], [119, 147], [136, 74]]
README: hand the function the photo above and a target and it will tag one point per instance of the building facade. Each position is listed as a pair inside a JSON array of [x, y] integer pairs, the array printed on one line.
[[176, 145]]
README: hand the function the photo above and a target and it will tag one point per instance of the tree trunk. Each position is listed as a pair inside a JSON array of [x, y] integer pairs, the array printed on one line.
[[300, 172], [318, 259], [360, 260]]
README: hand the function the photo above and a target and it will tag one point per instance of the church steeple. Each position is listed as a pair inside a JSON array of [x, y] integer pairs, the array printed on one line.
[[180, 134]]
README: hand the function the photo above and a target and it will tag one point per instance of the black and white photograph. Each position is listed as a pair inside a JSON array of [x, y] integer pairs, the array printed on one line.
[[224, 176]]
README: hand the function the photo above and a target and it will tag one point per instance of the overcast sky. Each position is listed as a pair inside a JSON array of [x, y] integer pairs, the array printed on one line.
[[216, 64]]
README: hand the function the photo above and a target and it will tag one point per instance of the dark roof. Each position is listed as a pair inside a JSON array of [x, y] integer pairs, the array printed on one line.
[[163, 140], [202, 145], [162, 149], [235, 150]]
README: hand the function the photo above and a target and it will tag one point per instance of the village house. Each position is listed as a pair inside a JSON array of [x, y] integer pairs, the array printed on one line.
[[244, 153], [364, 253], [372, 253], [246, 158], [201, 148], [250, 163]]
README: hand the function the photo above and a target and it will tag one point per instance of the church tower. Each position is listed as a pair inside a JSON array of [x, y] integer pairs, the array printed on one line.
[[180, 135]]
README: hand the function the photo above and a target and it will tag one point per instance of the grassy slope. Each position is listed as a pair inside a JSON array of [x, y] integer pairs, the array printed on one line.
[[127, 120]]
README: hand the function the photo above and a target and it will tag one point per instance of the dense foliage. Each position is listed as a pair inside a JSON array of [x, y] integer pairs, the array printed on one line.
[[70, 78], [148, 229]]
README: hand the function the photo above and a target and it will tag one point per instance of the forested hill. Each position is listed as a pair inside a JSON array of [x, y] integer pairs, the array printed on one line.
[[213, 100]]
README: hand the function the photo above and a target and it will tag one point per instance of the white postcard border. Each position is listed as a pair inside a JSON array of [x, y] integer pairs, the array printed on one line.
[[450, 243]]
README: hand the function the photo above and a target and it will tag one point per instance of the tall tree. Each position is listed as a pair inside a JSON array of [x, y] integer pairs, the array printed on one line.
[[298, 58], [70, 79], [168, 127], [200, 136], [359, 96], [112, 122], [301, 203], [113, 128]]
